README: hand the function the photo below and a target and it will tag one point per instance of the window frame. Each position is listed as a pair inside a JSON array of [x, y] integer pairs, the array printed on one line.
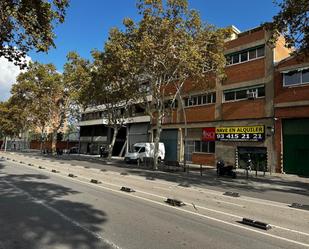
[[203, 97], [248, 89], [206, 145], [301, 83], [229, 57]]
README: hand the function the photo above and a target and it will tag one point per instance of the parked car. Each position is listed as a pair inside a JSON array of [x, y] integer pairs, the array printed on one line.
[[144, 150]]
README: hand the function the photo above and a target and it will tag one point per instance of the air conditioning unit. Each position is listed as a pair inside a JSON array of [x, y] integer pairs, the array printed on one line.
[[251, 95]]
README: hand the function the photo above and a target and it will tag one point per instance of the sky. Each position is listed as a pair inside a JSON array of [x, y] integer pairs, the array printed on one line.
[[88, 22]]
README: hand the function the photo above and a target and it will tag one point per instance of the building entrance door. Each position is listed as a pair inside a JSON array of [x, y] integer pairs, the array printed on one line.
[[258, 156]]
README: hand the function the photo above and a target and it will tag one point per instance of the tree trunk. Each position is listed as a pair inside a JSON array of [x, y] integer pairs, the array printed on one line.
[[54, 142], [156, 141], [111, 146], [5, 144], [41, 145]]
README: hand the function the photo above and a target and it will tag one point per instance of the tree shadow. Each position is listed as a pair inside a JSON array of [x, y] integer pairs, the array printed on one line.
[[254, 186], [39, 214], [209, 179]]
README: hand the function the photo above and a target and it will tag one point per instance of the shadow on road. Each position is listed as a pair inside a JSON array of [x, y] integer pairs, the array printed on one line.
[[276, 186], [35, 215], [209, 179]]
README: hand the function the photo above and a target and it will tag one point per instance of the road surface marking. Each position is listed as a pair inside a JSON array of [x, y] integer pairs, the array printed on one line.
[[63, 216], [161, 197]]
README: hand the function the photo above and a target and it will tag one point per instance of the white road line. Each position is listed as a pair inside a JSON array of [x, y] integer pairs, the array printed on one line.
[[161, 197], [213, 192], [216, 200], [63, 216], [193, 213]]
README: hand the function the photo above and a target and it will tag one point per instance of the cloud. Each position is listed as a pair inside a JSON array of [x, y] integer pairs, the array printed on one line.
[[8, 74]]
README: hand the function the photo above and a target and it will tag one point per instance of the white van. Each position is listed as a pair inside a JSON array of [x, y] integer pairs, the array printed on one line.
[[142, 150]]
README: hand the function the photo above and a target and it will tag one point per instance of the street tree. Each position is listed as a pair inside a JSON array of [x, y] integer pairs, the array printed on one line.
[[40, 91], [27, 25], [13, 120], [170, 46], [292, 21], [77, 77], [8, 117], [113, 84]]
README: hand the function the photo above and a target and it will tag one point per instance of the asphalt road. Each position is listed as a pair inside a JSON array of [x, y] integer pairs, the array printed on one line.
[[40, 209]]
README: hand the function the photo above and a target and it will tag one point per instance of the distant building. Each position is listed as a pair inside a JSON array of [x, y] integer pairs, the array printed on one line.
[[235, 119]]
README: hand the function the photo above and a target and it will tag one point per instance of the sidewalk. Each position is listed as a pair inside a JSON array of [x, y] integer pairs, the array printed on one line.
[[276, 187]]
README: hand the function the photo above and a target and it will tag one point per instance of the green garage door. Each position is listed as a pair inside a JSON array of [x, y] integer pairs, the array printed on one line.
[[170, 140], [296, 146]]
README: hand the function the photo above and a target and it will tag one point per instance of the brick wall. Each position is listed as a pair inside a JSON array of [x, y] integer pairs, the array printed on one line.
[[199, 113], [246, 71], [170, 117], [251, 36], [244, 109], [292, 112], [203, 158], [294, 93]]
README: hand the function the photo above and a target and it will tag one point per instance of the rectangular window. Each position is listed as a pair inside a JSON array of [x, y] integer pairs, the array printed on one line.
[[252, 54], [305, 76], [200, 99], [243, 93], [245, 55], [209, 98], [206, 147], [261, 91], [229, 96], [292, 78], [235, 58], [260, 51], [205, 99], [211, 147], [197, 146]]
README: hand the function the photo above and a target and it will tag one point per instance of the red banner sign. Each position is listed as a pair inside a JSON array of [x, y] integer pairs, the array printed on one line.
[[209, 134]]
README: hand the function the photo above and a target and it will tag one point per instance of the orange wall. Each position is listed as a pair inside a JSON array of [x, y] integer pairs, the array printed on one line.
[[280, 50], [204, 159], [246, 71], [243, 109], [199, 113], [245, 39], [292, 112]]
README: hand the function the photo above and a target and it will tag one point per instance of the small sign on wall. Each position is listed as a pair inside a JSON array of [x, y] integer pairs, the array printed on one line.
[[209, 134]]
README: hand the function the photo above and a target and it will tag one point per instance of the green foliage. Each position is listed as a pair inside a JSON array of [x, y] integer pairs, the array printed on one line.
[[77, 77], [40, 92], [293, 22], [28, 24], [9, 120], [169, 46]]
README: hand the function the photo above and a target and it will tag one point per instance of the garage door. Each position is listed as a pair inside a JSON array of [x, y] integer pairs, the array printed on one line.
[[296, 146], [170, 138]]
